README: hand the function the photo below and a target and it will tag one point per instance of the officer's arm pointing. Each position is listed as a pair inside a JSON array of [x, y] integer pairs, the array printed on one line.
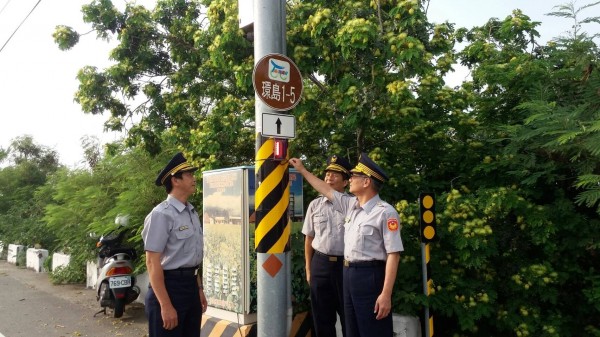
[[318, 184]]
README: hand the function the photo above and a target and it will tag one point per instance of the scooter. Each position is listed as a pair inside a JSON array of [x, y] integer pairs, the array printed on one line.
[[116, 282]]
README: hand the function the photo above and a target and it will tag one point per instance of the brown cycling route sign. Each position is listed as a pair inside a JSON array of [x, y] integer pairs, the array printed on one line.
[[277, 82]]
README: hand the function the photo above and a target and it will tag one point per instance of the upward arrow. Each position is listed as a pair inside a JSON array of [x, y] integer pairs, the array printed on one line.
[[278, 126]]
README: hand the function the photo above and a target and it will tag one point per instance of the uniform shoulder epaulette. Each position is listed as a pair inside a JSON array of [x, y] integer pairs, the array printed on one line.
[[385, 204], [164, 204]]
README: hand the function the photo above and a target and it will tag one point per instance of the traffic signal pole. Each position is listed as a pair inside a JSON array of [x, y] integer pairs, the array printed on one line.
[[427, 286], [274, 313], [428, 234]]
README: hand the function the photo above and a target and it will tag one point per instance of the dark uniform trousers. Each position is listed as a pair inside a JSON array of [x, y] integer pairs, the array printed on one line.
[[182, 287], [326, 293], [363, 283]]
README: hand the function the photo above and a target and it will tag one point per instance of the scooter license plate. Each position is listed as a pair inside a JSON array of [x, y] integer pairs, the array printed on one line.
[[119, 282]]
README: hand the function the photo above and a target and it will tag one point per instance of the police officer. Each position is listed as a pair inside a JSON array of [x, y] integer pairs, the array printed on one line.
[[324, 250], [372, 247], [173, 241]]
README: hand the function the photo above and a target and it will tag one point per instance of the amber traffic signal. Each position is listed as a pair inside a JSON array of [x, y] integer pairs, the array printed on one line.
[[427, 216]]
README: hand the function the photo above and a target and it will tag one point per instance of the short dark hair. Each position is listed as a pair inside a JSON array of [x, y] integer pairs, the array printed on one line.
[[168, 184], [377, 185]]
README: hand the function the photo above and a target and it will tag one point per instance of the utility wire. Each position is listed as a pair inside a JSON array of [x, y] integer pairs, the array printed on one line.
[[6, 4], [11, 35]]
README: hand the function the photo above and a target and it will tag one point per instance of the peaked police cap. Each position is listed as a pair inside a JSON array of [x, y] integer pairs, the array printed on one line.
[[339, 164], [368, 167], [177, 164]]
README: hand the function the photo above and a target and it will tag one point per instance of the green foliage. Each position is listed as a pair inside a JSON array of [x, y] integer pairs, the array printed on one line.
[[512, 154], [74, 272], [3, 154], [67, 275], [47, 265], [104, 192], [569, 11], [300, 289], [521, 242], [65, 37], [21, 260], [20, 208]]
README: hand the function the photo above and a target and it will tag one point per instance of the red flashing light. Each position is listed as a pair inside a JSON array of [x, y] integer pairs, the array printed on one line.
[[280, 149]]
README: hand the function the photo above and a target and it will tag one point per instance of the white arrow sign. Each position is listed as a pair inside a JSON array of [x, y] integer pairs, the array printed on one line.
[[278, 125]]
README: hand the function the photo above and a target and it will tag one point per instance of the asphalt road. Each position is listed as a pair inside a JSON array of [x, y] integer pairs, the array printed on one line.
[[31, 306]]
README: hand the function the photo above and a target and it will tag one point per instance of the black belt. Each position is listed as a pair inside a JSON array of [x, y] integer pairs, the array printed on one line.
[[359, 264], [184, 271], [332, 258]]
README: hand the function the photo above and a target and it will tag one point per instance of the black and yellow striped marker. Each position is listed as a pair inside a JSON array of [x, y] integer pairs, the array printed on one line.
[[215, 327], [272, 236], [272, 198], [428, 290]]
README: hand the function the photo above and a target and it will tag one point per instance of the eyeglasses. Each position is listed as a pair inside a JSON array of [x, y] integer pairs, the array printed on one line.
[[354, 176]]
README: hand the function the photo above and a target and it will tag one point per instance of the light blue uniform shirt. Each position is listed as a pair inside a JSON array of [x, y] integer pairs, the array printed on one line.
[[326, 226], [372, 231], [173, 229]]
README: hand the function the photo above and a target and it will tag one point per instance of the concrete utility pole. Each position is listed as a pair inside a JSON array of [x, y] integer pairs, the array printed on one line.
[[272, 192]]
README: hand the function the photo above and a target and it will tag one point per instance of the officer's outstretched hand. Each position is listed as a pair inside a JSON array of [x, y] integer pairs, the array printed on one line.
[[297, 164], [383, 306]]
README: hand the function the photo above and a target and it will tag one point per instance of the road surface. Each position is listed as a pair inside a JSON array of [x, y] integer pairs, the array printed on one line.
[[31, 306]]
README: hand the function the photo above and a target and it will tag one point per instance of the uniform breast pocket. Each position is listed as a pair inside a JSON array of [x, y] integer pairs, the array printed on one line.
[[366, 232], [182, 236], [320, 223]]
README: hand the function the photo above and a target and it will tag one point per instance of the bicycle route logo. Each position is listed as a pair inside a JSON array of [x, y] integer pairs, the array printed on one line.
[[280, 70]]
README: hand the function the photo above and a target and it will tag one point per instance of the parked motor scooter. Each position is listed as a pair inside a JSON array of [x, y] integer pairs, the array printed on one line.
[[116, 282]]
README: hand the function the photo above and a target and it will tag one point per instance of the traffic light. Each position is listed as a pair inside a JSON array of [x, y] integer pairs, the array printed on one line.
[[427, 217]]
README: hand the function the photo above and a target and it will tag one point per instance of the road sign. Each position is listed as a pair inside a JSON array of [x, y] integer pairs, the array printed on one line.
[[278, 125], [277, 82]]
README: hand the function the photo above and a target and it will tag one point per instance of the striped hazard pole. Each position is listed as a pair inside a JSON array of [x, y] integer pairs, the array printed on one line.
[[272, 243], [278, 87], [272, 198], [428, 234]]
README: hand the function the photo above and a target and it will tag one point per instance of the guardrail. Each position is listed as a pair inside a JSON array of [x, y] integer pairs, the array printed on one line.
[[35, 259]]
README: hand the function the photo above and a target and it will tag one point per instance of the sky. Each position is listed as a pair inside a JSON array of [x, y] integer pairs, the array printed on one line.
[[38, 81]]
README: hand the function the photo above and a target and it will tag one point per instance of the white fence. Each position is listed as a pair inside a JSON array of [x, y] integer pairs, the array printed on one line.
[[91, 278], [60, 260], [13, 252], [35, 259]]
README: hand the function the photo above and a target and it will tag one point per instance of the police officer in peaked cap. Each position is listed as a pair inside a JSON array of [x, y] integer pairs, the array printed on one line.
[[372, 246], [324, 251], [173, 241]]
